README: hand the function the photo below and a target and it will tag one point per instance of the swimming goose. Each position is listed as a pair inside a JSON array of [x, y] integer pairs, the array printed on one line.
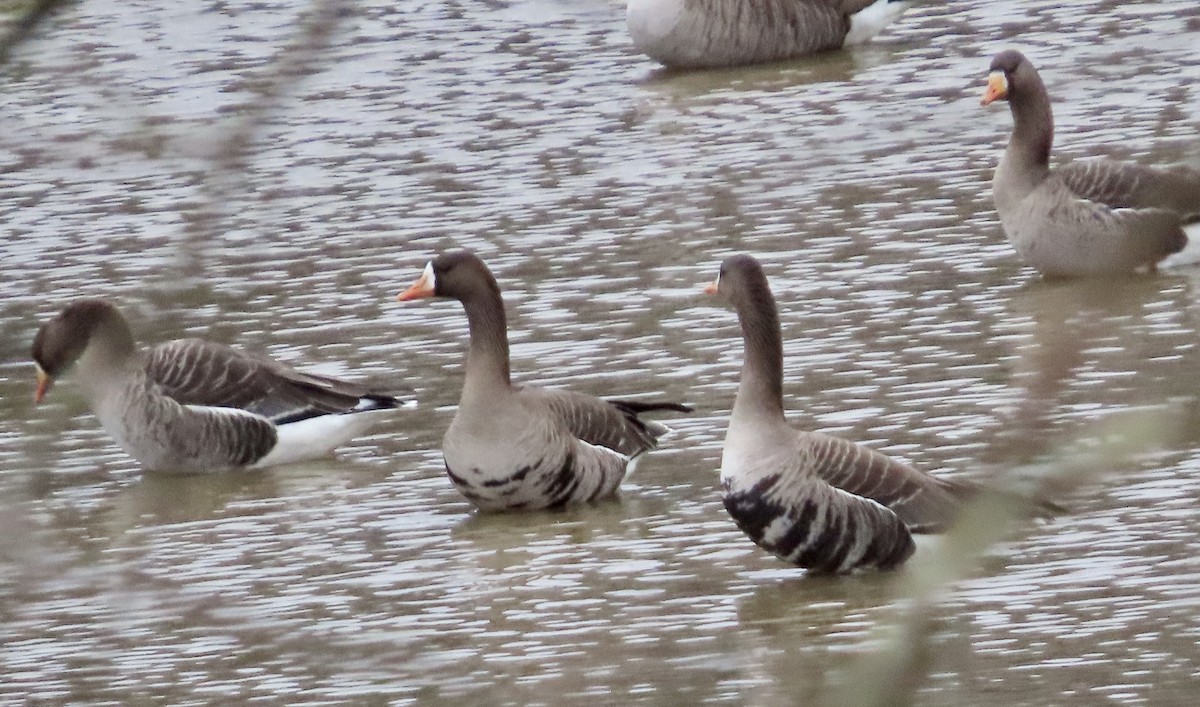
[[1084, 218], [195, 406], [515, 447], [692, 34], [817, 501]]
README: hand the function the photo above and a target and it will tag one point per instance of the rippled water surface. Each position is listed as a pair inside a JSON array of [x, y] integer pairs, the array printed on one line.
[[149, 153]]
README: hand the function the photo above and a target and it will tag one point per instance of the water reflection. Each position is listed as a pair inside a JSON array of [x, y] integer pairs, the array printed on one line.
[[1077, 352], [831, 67]]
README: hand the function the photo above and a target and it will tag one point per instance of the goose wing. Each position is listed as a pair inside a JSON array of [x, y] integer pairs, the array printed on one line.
[[612, 424], [1125, 185], [926, 504], [196, 372]]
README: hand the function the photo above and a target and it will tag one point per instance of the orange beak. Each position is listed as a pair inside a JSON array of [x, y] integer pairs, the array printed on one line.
[[711, 288], [423, 287], [44, 382], [997, 88]]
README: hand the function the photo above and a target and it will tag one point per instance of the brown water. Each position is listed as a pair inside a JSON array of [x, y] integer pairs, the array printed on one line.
[[603, 193]]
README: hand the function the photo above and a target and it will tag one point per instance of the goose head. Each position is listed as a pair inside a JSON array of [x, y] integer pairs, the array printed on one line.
[[458, 274], [1009, 75], [740, 281], [85, 327]]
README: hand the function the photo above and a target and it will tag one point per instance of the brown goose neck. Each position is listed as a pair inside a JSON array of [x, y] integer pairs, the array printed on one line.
[[487, 353], [1033, 124], [761, 387], [111, 344]]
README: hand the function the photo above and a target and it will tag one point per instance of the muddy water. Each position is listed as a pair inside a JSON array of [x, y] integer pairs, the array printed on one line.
[[603, 193]]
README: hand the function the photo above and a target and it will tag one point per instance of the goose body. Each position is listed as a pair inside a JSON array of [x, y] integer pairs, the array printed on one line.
[[194, 406], [718, 33], [515, 447], [1090, 217], [814, 500]]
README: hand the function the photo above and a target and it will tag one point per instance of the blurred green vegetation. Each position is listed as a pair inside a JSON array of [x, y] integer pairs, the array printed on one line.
[[18, 18], [892, 674], [12, 7]]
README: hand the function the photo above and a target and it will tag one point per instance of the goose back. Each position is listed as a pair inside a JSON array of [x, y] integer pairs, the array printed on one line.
[[718, 33]]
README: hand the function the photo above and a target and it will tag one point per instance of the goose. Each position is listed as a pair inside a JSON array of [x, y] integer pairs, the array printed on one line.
[[513, 447], [193, 406], [814, 500], [1091, 217], [696, 34]]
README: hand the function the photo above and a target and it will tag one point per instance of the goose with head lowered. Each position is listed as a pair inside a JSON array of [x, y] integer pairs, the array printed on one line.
[[695, 34], [1089, 217], [521, 447], [193, 406], [814, 500]]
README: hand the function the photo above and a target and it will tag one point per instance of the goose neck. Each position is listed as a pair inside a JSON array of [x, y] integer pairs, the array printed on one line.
[[1033, 128], [760, 391], [487, 353]]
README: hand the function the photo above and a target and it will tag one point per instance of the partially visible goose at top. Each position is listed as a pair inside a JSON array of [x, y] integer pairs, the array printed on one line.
[[1090, 217], [691, 34], [817, 501], [513, 447], [195, 406]]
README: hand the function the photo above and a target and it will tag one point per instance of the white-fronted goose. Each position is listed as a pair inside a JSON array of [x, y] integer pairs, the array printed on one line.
[[1084, 218], [193, 406], [522, 447], [814, 500], [692, 34]]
